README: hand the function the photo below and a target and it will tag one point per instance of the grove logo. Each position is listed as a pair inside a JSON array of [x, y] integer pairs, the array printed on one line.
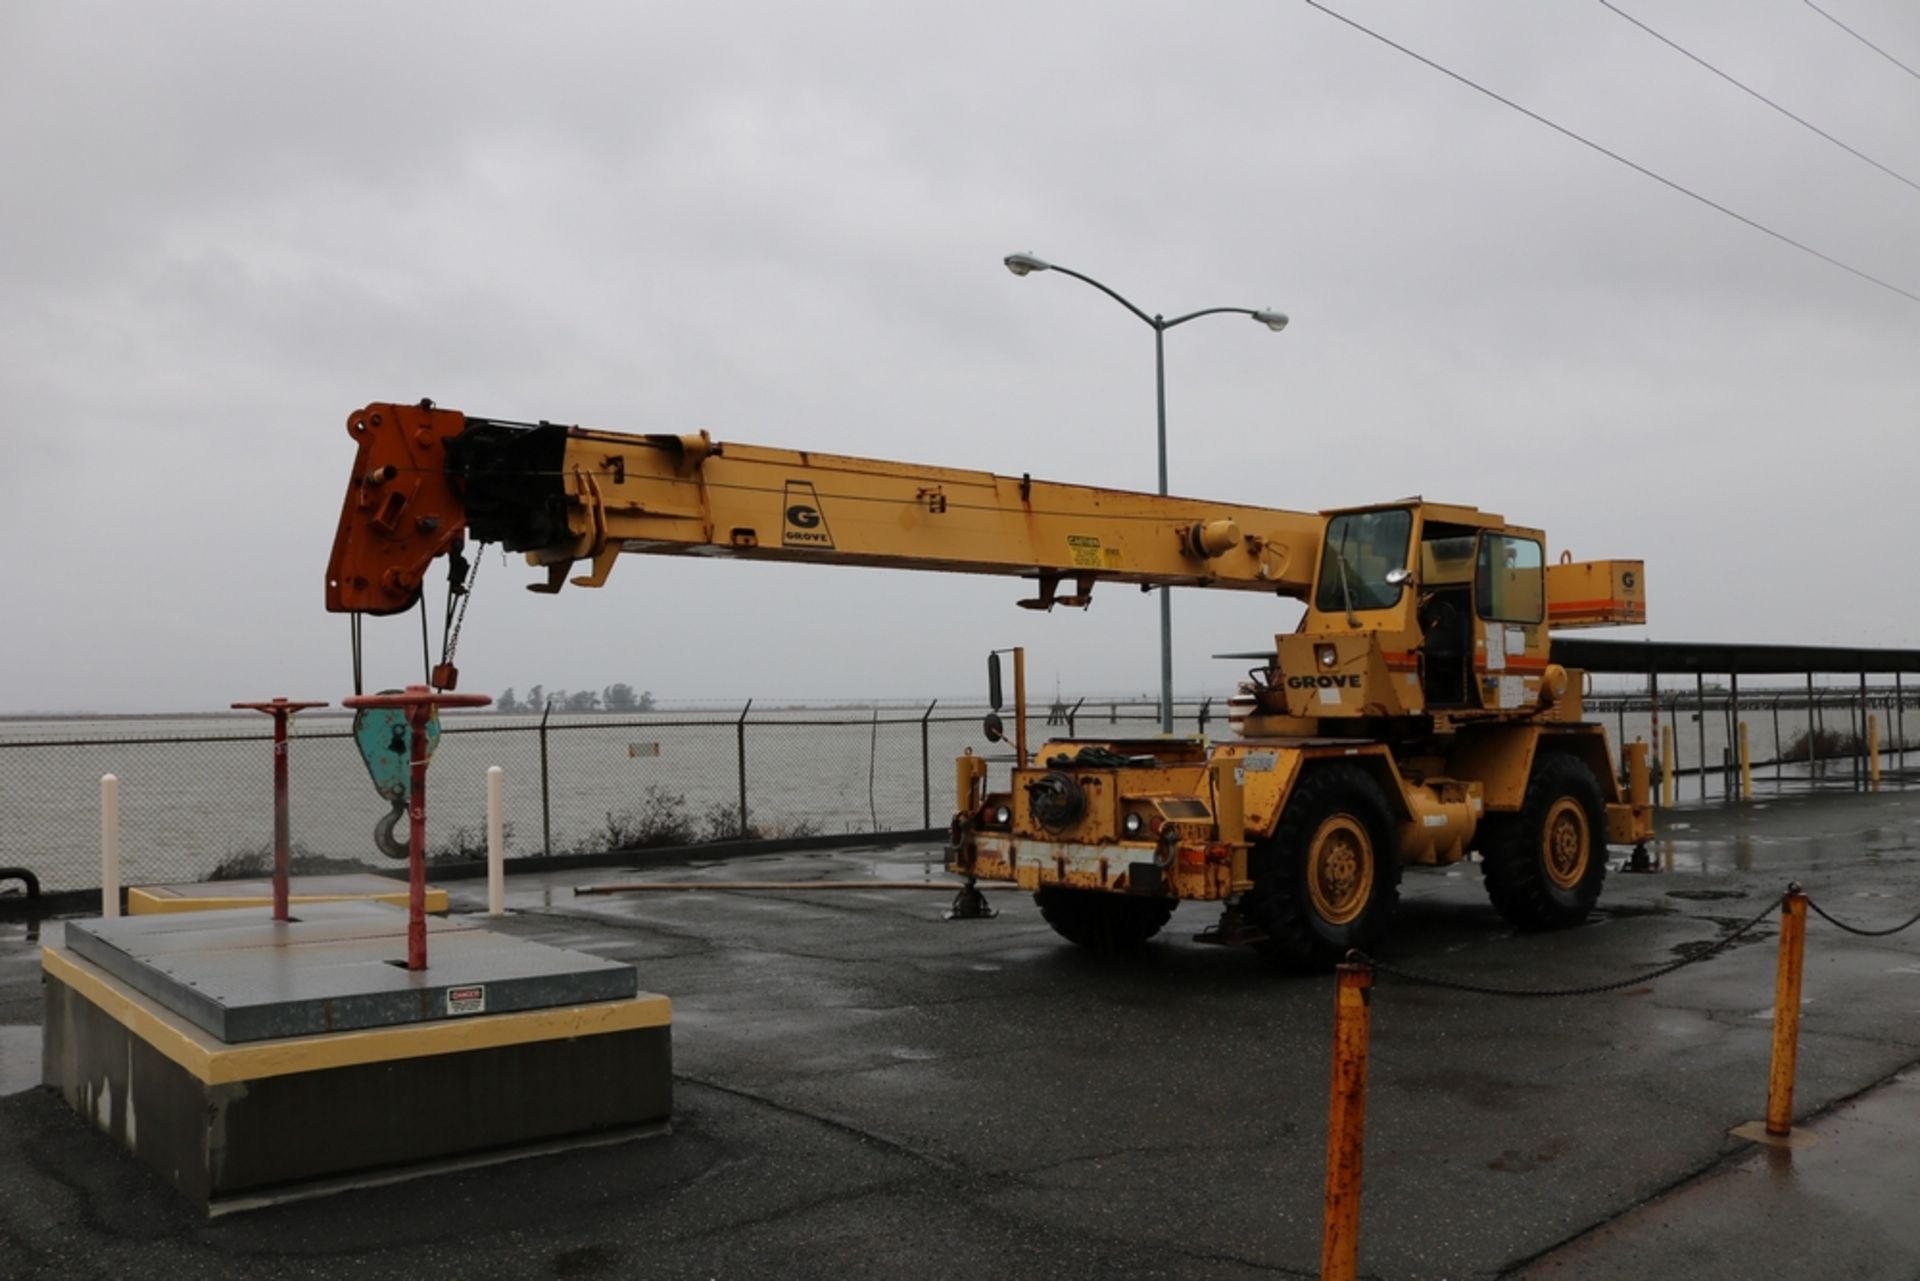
[[802, 523]]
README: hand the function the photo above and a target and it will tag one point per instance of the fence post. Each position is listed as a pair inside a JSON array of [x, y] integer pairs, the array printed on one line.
[[1732, 719], [496, 841], [740, 743], [1700, 722], [546, 789], [1873, 750], [1346, 1122], [1746, 765], [1813, 732], [1786, 1012], [109, 846], [1667, 764], [1779, 748], [1653, 735], [1860, 740], [926, 769]]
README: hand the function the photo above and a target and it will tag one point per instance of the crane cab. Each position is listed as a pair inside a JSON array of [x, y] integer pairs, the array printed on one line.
[[1436, 609]]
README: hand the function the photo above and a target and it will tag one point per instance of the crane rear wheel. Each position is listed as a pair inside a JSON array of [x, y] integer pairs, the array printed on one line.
[[1544, 865]]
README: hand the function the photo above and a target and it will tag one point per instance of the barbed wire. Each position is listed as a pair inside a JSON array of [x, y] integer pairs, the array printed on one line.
[[1595, 989]]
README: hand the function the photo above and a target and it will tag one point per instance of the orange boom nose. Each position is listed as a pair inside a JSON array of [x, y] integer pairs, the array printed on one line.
[[401, 510]]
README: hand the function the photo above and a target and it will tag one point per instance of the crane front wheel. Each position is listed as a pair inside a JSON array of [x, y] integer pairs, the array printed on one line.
[[1328, 878], [1544, 866]]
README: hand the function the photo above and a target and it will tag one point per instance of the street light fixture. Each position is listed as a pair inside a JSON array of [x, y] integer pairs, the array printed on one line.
[[1026, 264]]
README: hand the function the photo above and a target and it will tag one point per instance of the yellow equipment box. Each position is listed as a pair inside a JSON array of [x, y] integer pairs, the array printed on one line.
[[1596, 593]]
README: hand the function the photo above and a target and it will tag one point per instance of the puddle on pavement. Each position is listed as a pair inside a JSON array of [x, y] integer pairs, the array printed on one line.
[[1705, 896], [19, 1058]]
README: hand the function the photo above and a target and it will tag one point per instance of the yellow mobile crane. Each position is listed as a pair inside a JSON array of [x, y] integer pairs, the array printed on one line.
[[1414, 715]]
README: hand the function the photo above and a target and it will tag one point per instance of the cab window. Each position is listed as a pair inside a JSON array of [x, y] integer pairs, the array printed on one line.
[[1509, 583], [1360, 548]]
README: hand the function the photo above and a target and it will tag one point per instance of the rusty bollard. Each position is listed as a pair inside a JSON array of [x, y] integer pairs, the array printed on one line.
[[1346, 1122], [1778, 1129], [1786, 1012]]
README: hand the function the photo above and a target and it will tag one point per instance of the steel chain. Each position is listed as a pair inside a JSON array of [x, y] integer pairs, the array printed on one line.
[[1483, 989], [1854, 929]]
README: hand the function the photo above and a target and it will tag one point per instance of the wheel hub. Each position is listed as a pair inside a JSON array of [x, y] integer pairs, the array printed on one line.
[[1564, 843], [1340, 870]]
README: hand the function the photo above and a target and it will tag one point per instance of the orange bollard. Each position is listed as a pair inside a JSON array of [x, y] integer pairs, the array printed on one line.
[[1786, 1012], [1346, 1122]]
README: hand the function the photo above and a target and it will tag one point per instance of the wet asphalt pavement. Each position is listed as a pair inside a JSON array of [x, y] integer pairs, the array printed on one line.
[[865, 1090]]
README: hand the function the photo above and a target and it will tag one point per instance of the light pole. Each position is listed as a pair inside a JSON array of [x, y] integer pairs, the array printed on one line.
[[1023, 264]]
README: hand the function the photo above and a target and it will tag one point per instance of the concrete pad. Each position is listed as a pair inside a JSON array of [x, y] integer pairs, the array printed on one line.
[[207, 896], [239, 1127], [243, 976]]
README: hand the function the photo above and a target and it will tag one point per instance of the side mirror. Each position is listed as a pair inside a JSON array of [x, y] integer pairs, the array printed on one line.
[[993, 728], [993, 682], [1396, 577]]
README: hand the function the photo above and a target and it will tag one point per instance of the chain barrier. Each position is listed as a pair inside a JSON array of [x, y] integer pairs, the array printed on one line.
[[1821, 912], [1597, 989]]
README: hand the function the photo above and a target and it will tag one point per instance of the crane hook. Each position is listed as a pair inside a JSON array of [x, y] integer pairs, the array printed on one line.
[[383, 832]]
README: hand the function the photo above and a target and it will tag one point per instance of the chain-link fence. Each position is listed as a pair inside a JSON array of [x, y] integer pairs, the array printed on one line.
[[1818, 734], [196, 792]]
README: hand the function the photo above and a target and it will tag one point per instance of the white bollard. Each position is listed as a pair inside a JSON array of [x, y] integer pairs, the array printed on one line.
[[496, 841], [109, 845]]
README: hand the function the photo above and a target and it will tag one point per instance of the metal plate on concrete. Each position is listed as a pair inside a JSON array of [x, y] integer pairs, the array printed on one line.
[[339, 966]]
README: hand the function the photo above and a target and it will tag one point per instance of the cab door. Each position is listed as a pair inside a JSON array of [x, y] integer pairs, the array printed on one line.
[[1509, 606]]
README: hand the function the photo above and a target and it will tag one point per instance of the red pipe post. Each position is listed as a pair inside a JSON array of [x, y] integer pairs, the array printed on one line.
[[419, 702], [282, 711]]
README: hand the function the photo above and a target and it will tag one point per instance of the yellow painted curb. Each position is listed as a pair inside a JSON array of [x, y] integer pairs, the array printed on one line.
[[152, 900], [215, 1062]]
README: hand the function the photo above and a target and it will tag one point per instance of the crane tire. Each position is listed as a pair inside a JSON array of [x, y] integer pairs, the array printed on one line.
[[1544, 866], [1100, 921], [1328, 879]]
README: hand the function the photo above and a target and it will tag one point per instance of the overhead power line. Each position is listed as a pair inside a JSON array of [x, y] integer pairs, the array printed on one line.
[[1638, 168], [1863, 40], [1752, 92]]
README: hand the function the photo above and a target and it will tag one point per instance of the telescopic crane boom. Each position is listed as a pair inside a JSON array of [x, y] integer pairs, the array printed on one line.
[[425, 478]]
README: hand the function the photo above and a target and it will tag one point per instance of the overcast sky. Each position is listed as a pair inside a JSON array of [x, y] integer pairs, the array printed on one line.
[[224, 227]]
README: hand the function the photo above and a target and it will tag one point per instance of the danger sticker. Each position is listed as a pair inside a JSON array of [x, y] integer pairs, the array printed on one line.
[[467, 1000], [1084, 552]]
